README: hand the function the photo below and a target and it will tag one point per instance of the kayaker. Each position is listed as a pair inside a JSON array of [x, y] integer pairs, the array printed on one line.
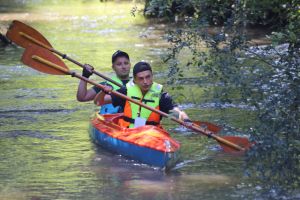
[[141, 88], [121, 66]]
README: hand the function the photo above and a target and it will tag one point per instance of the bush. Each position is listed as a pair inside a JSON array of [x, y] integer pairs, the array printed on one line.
[[265, 77], [259, 12]]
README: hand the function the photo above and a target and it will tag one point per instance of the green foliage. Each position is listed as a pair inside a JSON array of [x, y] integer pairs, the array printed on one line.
[[265, 77], [278, 134], [169, 8], [259, 12]]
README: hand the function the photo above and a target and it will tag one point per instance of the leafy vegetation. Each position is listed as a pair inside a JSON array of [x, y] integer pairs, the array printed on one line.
[[262, 12], [265, 77]]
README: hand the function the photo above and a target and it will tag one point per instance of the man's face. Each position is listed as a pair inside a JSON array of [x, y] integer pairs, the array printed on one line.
[[144, 80], [122, 67]]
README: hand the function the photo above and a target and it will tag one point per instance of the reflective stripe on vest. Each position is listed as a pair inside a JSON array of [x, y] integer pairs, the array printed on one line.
[[109, 108], [151, 99]]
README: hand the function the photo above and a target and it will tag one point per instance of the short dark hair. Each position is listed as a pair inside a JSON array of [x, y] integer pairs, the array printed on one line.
[[140, 67], [118, 54]]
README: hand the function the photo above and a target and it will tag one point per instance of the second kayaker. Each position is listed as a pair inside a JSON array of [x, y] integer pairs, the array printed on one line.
[[121, 66]]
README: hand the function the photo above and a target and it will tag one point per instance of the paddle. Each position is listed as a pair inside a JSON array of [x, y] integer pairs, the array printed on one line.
[[44, 61], [207, 125], [24, 35]]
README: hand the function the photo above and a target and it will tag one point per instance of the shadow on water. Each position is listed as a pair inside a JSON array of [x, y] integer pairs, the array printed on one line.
[[40, 111], [136, 181], [25, 133]]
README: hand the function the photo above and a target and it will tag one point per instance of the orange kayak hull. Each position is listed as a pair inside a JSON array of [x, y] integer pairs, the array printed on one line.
[[147, 144]]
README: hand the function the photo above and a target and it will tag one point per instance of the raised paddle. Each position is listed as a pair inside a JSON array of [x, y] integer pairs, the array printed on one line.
[[24, 35], [44, 61]]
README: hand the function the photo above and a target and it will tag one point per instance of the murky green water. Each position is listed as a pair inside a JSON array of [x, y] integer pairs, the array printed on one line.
[[45, 149]]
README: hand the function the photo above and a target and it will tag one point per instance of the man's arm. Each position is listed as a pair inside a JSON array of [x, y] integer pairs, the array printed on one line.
[[102, 97], [82, 93], [167, 105]]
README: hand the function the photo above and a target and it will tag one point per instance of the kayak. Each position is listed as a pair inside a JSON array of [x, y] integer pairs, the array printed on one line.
[[146, 144]]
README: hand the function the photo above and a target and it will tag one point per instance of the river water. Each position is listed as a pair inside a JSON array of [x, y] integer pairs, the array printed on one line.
[[45, 149]]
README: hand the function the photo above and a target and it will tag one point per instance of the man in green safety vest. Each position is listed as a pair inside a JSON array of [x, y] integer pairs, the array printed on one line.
[[143, 89], [121, 66]]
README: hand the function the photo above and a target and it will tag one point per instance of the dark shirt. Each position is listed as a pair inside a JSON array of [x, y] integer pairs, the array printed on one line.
[[165, 102], [97, 90]]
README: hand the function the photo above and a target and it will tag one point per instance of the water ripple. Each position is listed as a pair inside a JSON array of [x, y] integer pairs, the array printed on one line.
[[28, 133], [37, 111]]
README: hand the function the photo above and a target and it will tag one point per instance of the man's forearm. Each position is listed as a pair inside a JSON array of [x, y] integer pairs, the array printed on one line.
[[83, 94], [82, 90]]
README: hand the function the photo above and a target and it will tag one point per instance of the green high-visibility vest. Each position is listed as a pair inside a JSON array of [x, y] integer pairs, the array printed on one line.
[[109, 108], [116, 79], [151, 99]]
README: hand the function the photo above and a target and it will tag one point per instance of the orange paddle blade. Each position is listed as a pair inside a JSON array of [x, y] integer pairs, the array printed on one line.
[[240, 141], [210, 126], [24, 35], [44, 61]]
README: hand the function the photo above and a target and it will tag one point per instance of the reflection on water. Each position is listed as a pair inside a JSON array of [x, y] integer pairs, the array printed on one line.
[[45, 150]]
